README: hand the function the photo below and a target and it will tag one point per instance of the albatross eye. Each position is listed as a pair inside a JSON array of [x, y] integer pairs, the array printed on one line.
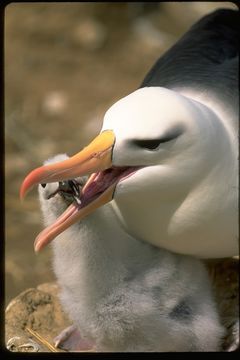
[[153, 144], [147, 144]]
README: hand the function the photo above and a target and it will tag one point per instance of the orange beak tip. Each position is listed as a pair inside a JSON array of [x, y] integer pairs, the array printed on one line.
[[22, 194], [23, 191], [30, 180]]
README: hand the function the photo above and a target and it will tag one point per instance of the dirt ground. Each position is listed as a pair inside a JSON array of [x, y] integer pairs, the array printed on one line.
[[65, 64]]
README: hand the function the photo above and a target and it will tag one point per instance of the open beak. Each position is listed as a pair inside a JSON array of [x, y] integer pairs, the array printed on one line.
[[94, 159]]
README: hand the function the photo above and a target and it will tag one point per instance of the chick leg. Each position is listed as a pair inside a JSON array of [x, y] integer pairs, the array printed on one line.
[[70, 339]]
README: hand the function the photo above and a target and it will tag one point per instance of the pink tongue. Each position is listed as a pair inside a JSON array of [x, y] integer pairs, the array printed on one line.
[[100, 182]]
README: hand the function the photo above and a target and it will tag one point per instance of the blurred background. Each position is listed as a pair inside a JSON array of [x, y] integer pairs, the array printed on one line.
[[65, 64]]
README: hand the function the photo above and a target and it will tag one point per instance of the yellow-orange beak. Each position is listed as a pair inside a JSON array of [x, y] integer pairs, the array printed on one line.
[[96, 157]]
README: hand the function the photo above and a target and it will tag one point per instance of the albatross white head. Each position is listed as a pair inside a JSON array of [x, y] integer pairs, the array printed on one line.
[[156, 157]]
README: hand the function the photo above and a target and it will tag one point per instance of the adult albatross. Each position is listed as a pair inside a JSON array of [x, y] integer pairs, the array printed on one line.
[[165, 163]]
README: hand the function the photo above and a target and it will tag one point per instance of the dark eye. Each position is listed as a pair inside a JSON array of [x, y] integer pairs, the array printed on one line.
[[147, 144], [43, 185], [155, 143]]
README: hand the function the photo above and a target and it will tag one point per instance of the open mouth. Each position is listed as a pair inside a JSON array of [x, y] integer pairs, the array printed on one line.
[[102, 180], [98, 190], [94, 160]]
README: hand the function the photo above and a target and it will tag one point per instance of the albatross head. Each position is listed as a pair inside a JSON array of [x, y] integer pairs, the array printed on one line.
[[150, 151]]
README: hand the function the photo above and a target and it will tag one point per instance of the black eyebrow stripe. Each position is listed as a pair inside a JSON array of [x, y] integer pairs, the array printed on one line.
[[154, 143]]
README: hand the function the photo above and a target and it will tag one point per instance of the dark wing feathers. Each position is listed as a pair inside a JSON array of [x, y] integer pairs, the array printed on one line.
[[209, 47]]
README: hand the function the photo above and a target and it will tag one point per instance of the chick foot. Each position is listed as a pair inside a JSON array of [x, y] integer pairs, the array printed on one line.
[[70, 339]]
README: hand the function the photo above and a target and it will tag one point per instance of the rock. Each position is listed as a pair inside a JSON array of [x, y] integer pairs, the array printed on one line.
[[39, 310]]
